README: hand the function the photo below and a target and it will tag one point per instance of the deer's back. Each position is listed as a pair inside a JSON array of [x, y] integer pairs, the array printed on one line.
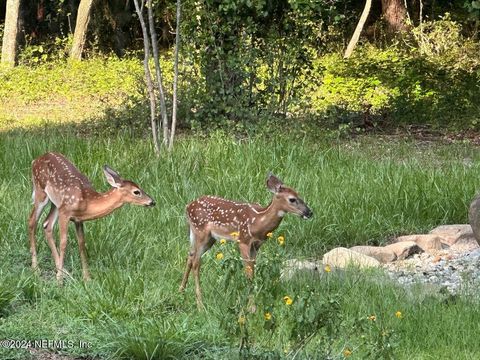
[[56, 170]]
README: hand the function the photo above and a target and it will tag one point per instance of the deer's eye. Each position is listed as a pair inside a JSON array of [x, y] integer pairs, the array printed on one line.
[[137, 192], [292, 200]]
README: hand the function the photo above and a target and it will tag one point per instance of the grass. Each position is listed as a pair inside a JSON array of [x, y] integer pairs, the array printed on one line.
[[362, 192], [65, 92]]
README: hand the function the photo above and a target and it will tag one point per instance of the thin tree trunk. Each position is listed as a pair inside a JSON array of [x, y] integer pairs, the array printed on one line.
[[10, 34], [158, 71], [81, 26], [148, 76], [356, 35], [175, 76]]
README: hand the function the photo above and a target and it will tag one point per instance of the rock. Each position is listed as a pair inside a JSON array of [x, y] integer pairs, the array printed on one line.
[[465, 244], [343, 257], [430, 243], [474, 217], [451, 233], [378, 252], [294, 265], [404, 249]]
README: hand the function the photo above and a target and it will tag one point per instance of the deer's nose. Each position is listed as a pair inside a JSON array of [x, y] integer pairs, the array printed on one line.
[[307, 214], [151, 203]]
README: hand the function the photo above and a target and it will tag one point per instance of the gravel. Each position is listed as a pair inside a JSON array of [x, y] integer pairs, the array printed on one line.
[[451, 271]]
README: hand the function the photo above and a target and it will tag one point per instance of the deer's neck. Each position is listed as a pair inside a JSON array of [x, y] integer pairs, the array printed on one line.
[[102, 204], [270, 217]]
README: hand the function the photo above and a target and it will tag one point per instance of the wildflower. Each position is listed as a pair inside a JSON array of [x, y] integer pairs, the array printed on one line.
[[281, 240], [223, 241], [219, 256], [398, 314], [267, 316], [347, 352], [288, 300], [327, 268], [234, 234], [269, 235], [242, 320], [372, 318]]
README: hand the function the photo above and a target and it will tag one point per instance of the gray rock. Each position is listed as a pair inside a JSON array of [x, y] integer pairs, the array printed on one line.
[[474, 217], [293, 266]]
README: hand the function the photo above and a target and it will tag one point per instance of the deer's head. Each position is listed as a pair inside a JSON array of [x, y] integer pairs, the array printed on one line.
[[130, 191], [287, 198]]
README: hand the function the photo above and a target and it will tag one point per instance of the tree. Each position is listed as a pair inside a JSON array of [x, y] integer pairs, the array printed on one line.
[[175, 76], [358, 29], [81, 26], [394, 13], [10, 34], [148, 75], [150, 40]]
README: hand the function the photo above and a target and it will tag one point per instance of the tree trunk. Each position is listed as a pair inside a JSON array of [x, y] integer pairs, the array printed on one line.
[[80, 35], [358, 29], [148, 76], [10, 34], [394, 13], [175, 76], [158, 73]]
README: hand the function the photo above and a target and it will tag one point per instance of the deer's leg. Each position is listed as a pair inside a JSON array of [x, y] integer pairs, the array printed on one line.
[[248, 253], [81, 246], [201, 246], [63, 225], [48, 225], [40, 199], [189, 264]]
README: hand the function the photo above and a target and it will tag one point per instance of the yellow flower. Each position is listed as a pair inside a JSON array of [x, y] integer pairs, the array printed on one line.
[[242, 320], [372, 318], [234, 234], [398, 314], [219, 256], [288, 300], [269, 235], [347, 352], [267, 316], [327, 268], [223, 241], [281, 240]]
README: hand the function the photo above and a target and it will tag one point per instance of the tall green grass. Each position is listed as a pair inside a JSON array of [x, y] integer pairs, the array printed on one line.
[[361, 192]]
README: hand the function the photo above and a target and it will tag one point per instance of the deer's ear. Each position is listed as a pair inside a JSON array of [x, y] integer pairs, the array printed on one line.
[[112, 176], [274, 184]]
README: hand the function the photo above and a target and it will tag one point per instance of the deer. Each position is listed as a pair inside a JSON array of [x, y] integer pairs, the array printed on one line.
[[71, 194], [211, 218]]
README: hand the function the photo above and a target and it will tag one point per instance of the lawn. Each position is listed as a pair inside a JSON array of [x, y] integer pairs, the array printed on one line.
[[363, 190]]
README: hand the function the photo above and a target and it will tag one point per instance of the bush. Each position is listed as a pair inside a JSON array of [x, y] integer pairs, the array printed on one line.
[[398, 86]]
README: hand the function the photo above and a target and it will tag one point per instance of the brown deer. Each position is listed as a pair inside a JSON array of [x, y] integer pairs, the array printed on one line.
[[211, 218], [73, 198]]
